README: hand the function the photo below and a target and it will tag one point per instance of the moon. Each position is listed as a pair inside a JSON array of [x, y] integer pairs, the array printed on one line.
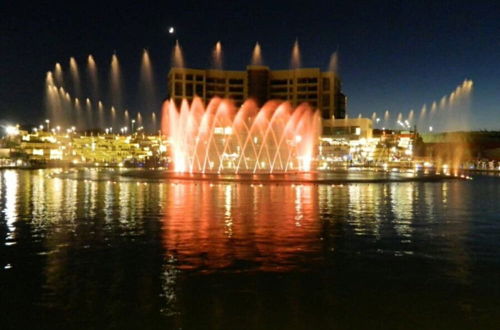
[[171, 30]]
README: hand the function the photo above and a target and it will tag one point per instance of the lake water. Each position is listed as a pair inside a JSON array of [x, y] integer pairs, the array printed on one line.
[[97, 251]]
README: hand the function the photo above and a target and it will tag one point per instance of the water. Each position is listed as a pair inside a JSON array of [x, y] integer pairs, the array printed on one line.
[[221, 138], [105, 252]]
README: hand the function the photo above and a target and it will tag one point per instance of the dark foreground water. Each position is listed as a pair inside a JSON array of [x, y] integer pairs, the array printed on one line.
[[101, 253]]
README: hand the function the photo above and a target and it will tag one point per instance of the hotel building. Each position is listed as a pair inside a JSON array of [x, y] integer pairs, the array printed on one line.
[[321, 90]]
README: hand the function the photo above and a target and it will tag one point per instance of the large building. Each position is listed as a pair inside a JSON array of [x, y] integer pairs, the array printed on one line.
[[321, 90]]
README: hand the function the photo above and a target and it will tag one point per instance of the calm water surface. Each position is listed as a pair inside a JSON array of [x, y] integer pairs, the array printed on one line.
[[96, 251]]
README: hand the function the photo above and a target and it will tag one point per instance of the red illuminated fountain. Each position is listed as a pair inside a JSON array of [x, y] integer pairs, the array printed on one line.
[[220, 138]]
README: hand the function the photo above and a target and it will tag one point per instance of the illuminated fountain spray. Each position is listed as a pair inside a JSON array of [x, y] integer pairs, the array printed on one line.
[[75, 77], [153, 122], [295, 61], [220, 138], [58, 73], [333, 66], [147, 89], [257, 55], [100, 111], [217, 58], [177, 56], [92, 76], [88, 112], [115, 82]]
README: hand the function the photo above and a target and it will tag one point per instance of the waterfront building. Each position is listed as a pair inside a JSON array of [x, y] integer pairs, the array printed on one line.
[[322, 90]]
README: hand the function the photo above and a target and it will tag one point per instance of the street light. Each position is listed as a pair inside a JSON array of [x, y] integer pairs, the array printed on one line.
[[48, 124], [133, 122]]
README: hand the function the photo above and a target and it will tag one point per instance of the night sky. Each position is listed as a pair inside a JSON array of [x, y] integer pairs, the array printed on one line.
[[394, 55]]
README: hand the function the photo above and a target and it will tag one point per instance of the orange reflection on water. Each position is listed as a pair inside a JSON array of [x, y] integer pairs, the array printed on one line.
[[214, 226]]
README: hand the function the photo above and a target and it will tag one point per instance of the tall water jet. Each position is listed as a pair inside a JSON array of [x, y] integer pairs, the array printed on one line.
[[386, 117], [333, 66], [115, 82], [154, 126], [177, 56], [113, 117], [88, 110], [217, 58], [92, 75], [257, 55], [423, 112], [75, 77], [126, 119], [146, 84], [411, 116], [433, 108], [58, 73], [400, 118], [49, 79], [80, 119], [49, 95], [139, 120], [100, 111], [295, 61]]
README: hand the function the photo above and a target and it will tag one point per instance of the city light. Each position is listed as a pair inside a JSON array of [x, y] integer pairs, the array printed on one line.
[[11, 130]]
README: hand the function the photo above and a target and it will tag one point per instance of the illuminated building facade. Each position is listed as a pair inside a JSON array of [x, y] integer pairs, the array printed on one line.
[[322, 90]]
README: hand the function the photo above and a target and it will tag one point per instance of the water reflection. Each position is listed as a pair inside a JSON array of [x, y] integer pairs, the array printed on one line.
[[211, 226], [87, 244]]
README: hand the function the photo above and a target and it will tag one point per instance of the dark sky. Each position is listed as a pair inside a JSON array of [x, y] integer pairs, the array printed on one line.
[[394, 55]]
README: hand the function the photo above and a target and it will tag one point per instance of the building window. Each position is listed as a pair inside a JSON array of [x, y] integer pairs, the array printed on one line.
[[178, 76], [236, 81], [326, 100], [235, 89], [279, 90], [221, 81], [178, 88], [326, 84], [189, 89], [189, 77], [199, 78], [199, 90], [279, 82]]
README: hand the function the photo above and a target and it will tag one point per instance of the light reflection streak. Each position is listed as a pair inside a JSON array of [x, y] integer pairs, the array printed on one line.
[[10, 181], [228, 205]]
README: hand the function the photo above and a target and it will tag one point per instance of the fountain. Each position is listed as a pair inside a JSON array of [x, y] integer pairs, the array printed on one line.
[[295, 61], [217, 58], [257, 55], [219, 138]]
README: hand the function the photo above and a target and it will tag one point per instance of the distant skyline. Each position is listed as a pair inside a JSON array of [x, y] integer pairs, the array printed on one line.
[[395, 55]]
